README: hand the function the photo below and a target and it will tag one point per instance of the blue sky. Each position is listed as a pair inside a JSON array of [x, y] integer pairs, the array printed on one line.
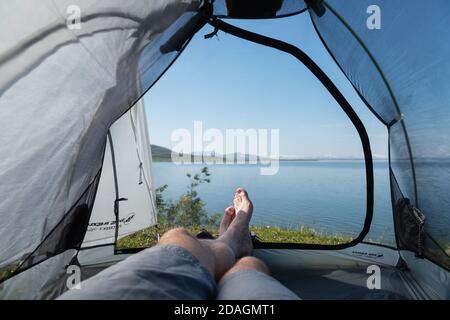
[[231, 83]]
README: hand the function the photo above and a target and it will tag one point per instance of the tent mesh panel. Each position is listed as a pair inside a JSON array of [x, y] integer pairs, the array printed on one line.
[[400, 70]]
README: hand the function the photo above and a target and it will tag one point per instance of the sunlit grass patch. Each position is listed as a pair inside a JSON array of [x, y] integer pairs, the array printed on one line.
[[148, 237]]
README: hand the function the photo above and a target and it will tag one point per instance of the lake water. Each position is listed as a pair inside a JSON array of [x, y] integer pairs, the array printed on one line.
[[329, 196]]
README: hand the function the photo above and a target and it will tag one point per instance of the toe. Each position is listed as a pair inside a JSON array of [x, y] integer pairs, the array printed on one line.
[[237, 201], [241, 192]]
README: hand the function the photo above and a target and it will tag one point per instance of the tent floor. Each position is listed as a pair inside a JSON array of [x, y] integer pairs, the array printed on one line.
[[319, 274], [328, 275]]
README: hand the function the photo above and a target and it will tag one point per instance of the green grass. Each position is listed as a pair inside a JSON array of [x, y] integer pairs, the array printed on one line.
[[300, 235], [7, 271], [148, 237]]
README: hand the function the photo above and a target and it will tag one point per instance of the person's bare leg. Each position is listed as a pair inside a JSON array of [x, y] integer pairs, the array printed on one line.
[[236, 284], [216, 257], [238, 234], [219, 255], [248, 263]]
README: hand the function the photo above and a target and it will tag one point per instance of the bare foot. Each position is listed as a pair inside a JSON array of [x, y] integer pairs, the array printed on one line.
[[237, 235], [227, 218], [242, 203]]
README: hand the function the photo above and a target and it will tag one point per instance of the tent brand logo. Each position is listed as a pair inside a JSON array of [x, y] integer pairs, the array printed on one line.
[[111, 224], [73, 20], [128, 219], [374, 20], [368, 254], [374, 280], [74, 278], [236, 146]]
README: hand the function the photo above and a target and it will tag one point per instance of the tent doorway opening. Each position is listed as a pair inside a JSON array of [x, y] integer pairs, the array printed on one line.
[[272, 128]]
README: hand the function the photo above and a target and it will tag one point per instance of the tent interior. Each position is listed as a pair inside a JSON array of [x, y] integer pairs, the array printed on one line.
[[76, 172]]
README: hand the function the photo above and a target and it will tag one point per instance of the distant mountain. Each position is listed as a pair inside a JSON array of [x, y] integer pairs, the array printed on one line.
[[160, 153], [165, 154]]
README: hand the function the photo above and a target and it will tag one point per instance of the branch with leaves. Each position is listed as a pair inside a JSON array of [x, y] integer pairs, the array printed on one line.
[[188, 210]]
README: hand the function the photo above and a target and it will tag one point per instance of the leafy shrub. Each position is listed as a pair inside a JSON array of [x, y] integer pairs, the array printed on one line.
[[188, 210]]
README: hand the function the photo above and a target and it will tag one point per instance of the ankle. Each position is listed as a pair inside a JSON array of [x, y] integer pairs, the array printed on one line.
[[224, 257]]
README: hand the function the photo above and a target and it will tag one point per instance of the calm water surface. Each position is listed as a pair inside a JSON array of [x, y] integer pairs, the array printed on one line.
[[329, 196]]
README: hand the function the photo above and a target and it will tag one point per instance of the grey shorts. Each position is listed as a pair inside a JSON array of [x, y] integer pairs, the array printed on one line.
[[171, 272]]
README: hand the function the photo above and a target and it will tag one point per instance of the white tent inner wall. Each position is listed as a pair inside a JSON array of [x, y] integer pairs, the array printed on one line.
[[132, 161], [61, 89], [129, 141]]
